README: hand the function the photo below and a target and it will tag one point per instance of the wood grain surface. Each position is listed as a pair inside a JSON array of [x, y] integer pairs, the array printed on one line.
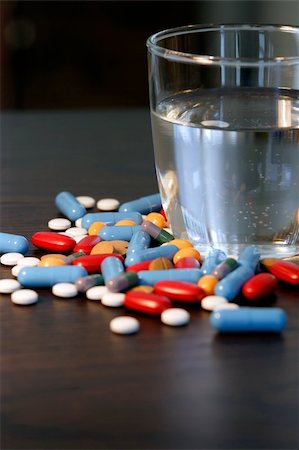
[[67, 382]]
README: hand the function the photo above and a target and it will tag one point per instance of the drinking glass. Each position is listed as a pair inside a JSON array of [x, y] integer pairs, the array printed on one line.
[[224, 105]]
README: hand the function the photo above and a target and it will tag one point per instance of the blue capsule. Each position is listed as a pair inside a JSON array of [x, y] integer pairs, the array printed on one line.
[[249, 257], [139, 242], [151, 277], [124, 233], [249, 320], [144, 205], [40, 277], [110, 218], [212, 260], [164, 251], [13, 243], [110, 268], [230, 286], [69, 206]]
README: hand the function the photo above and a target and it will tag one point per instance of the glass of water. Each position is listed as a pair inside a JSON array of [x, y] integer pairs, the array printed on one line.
[[225, 121]]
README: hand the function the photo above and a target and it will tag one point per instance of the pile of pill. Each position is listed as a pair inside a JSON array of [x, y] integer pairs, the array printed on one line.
[[125, 256]]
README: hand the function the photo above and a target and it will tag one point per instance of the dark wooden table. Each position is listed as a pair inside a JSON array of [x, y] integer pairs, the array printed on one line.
[[67, 381]]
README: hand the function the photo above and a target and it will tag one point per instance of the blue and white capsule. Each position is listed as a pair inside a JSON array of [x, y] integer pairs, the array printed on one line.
[[68, 205], [143, 205], [13, 243], [150, 277], [249, 320], [41, 277]]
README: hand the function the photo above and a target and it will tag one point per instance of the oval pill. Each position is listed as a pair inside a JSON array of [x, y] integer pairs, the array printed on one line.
[[86, 201], [125, 222], [286, 271], [15, 270], [75, 231], [96, 292], [152, 304], [208, 283], [59, 224], [78, 222], [161, 263], [49, 240], [248, 320], [13, 243], [11, 259], [113, 299], [187, 262], [9, 285], [143, 265], [65, 290], [86, 244], [187, 252], [180, 291], [95, 228], [259, 286], [54, 261], [102, 247], [175, 317], [124, 325], [157, 219], [69, 206], [24, 297], [211, 302], [28, 261], [108, 204], [181, 243]]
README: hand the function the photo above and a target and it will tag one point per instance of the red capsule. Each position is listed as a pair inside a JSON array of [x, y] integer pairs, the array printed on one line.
[[49, 240], [285, 271], [92, 263], [147, 303], [187, 263], [259, 286], [144, 265], [180, 291], [86, 244]]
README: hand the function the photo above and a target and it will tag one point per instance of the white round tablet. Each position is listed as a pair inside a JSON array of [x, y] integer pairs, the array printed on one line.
[[96, 292], [124, 325], [175, 317], [86, 201], [11, 259], [211, 302], [78, 238], [9, 285], [29, 261], [108, 204], [113, 299], [24, 297], [15, 270], [65, 290], [227, 305], [59, 224], [75, 231]]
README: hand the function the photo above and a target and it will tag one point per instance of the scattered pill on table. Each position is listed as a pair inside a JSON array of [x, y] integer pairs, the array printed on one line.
[[68, 205], [175, 317], [24, 297], [124, 325], [65, 290], [13, 243], [28, 261], [211, 302], [108, 204], [59, 224], [113, 299], [11, 259], [15, 270], [9, 285], [75, 231], [86, 201], [96, 292], [78, 222]]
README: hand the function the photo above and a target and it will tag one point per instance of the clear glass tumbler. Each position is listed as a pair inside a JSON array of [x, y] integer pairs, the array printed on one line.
[[225, 121]]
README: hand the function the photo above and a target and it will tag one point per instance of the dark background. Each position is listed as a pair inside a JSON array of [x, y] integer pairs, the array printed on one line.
[[92, 54]]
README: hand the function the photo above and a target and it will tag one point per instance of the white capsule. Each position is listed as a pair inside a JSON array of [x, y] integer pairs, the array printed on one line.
[[124, 325], [108, 204], [28, 261], [11, 259], [9, 285], [176, 317], [113, 299], [75, 231], [59, 224], [86, 201], [65, 290], [78, 222], [211, 302], [96, 292], [227, 305], [24, 297], [15, 270]]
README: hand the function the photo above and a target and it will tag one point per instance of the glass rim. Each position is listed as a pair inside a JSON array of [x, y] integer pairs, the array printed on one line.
[[183, 57]]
